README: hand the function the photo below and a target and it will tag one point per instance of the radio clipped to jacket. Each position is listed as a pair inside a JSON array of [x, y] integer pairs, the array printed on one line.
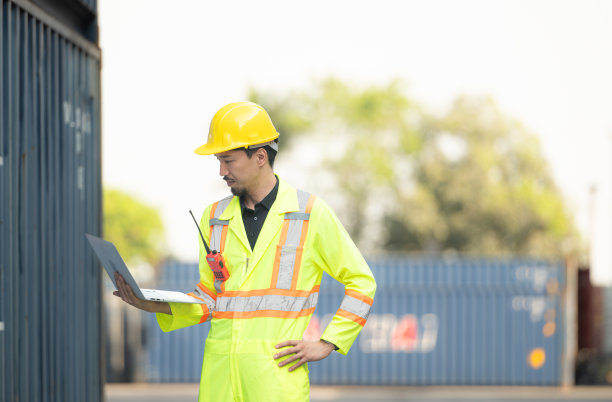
[[213, 258]]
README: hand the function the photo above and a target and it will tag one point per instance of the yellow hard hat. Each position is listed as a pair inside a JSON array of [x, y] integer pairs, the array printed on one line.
[[238, 125]]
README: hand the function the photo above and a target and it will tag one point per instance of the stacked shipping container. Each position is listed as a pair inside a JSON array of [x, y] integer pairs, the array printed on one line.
[[434, 322], [50, 196]]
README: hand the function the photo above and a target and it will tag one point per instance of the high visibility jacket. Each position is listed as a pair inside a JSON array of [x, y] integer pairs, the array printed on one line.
[[271, 295]]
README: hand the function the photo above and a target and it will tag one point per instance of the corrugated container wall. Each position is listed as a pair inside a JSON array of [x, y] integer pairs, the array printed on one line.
[[50, 196], [608, 320], [433, 322]]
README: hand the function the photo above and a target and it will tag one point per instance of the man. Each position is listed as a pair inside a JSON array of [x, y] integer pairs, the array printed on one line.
[[277, 242]]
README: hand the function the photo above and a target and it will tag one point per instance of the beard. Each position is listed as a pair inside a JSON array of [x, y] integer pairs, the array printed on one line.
[[240, 192]]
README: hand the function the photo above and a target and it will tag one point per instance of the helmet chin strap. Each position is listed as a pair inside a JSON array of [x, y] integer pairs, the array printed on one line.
[[271, 144]]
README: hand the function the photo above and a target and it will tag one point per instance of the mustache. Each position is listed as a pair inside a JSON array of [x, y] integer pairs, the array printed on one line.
[[226, 178]]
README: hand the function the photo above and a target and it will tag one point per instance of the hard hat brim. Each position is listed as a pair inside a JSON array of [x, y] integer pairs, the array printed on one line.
[[209, 149]]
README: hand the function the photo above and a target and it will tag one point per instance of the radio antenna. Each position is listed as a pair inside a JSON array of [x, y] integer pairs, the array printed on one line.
[[202, 236]]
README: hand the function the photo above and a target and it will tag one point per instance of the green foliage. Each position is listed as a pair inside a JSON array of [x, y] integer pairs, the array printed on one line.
[[291, 115], [494, 195], [134, 227], [471, 180], [368, 120]]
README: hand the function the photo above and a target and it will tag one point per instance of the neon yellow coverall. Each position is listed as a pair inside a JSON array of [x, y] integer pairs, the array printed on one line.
[[271, 295]]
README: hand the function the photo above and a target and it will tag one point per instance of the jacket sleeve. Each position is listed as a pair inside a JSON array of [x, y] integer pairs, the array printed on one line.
[[185, 314], [337, 254]]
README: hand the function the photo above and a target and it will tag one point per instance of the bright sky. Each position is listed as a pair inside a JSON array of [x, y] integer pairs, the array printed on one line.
[[168, 66]]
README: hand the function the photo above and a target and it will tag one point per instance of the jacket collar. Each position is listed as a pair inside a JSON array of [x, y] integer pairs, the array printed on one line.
[[286, 201], [268, 199]]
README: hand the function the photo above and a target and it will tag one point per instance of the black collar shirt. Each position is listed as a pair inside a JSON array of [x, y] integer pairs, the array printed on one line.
[[254, 219]]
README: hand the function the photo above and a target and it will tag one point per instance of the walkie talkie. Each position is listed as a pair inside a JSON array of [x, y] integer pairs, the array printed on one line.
[[214, 258]]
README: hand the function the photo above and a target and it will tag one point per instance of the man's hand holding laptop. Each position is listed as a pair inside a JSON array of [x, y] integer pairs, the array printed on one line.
[[152, 300], [126, 294]]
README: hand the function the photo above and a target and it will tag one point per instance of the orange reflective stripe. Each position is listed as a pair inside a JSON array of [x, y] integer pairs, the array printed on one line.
[[223, 236], [218, 227], [193, 295], [205, 310], [353, 317], [211, 217], [279, 248], [300, 248], [205, 313], [311, 201], [207, 291], [273, 291], [298, 258], [263, 313], [212, 210], [280, 303], [359, 296]]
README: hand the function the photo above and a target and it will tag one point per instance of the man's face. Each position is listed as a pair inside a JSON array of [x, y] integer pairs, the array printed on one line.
[[238, 170]]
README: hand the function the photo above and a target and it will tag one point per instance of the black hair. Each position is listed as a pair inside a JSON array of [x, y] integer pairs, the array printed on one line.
[[271, 153]]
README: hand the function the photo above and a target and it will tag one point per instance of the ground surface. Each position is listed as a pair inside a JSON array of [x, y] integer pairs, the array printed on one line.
[[189, 392]]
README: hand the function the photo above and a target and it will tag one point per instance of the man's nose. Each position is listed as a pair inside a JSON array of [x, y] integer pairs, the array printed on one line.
[[222, 169]]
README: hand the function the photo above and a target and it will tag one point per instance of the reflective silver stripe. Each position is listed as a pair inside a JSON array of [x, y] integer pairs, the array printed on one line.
[[266, 302], [297, 216], [288, 254], [210, 302], [217, 224], [215, 235], [294, 235], [355, 306], [303, 197]]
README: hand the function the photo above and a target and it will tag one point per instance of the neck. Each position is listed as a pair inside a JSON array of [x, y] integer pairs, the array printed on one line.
[[260, 190]]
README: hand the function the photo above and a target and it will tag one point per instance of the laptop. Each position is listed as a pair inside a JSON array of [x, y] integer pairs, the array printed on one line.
[[112, 262]]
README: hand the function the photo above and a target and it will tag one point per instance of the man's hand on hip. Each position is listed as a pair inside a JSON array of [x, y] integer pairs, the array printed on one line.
[[304, 351]]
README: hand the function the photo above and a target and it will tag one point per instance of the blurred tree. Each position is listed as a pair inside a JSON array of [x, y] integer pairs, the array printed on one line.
[[134, 227], [482, 186], [361, 125], [292, 114], [471, 180]]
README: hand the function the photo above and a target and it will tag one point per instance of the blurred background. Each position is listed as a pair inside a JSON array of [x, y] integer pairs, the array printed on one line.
[[465, 145]]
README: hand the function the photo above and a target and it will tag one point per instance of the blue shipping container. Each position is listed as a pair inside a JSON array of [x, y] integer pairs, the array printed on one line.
[[433, 322], [50, 196], [607, 346]]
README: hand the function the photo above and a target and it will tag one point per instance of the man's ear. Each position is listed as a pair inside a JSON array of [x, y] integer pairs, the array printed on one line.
[[262, 156]]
